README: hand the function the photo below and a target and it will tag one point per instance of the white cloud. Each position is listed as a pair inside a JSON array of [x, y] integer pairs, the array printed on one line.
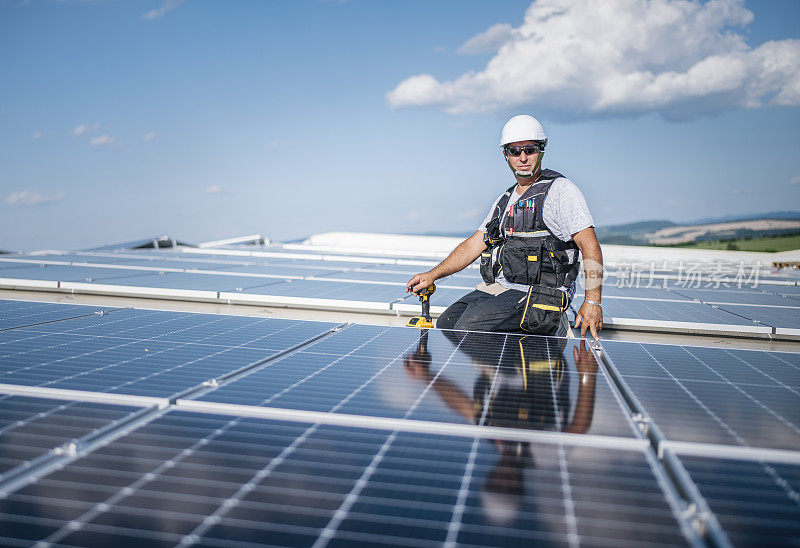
[[37, 135], [471, 213], [101, 140], [150, 136], [168, 5], [214, 189], [32, 198], [416, 214], [84, 128], [583, 58], [795, 180], [489, 40]]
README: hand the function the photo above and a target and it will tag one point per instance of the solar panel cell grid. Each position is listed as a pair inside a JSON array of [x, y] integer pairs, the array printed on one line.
[[141, 352], [198, 479], [671, 312], [713, 395], [191, 281], [756, 502], [21, 313], [529, 382], [610, 289], [773, 316], [30, 427], [741, 296], [211, 480], [73, 273], [467, 282]]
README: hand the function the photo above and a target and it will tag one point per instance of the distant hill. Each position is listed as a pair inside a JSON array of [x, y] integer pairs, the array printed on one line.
[[786, 215], [662, 232], [630, 233]]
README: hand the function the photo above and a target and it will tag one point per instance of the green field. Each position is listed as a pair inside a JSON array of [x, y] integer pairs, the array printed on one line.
[[769, 245]]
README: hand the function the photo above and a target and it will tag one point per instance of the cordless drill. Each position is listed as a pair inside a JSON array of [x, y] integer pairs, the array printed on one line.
[[425, 321]]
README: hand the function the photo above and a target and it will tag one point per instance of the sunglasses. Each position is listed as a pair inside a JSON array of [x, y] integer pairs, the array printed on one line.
[[527, 149]]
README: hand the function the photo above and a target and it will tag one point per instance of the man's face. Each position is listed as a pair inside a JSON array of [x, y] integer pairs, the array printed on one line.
[[523, 162]]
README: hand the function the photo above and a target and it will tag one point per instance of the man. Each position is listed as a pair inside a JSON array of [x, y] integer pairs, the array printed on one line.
[[528, 246]]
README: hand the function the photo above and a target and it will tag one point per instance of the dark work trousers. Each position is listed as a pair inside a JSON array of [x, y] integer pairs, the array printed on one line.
[[480, 311]]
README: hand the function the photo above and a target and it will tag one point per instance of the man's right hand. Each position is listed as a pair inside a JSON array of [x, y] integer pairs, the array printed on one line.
[[420, 282]]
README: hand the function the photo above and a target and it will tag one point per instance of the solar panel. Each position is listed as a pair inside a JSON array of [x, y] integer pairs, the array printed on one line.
[[448, 376], [15, 314], [31, 427], [192, 281], [643, 292], [366, 292], [740, 296], [141, 352], [665, 311], [393, 436], [468, 280], [71, 273], [786, 319], [710, 395], [188, 479], [756, 502], [792, 291]]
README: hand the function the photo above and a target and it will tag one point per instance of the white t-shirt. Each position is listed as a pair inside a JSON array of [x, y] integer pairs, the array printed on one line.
[[565, 213]]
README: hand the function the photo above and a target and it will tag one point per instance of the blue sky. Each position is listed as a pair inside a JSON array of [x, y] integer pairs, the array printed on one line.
[[206, 119]]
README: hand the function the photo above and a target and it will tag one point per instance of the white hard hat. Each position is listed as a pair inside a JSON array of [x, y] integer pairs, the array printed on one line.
[[522, 128]]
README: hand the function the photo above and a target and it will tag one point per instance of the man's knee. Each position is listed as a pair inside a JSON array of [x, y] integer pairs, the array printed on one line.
[[471, 323], [448, 318]]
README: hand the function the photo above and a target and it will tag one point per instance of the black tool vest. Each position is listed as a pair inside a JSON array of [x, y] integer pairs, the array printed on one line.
[[521, 246]]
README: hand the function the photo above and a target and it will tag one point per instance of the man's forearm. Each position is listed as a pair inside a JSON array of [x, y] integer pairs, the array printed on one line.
[[593, 270]]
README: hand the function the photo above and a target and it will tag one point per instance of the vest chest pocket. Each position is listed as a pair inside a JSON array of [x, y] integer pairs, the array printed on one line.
[[521, 261]]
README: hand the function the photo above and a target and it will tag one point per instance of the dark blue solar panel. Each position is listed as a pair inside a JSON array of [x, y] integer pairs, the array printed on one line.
[[468, 282], [31, 427], [143, 352], [741, 296], [711, 395], [320, 268], [74, 274], [192, 281], [756, 502], [353, 292], [21, 313], [219, 481], [789, 291], [670, 312], [610, 289], [775, 316], [520, 382]]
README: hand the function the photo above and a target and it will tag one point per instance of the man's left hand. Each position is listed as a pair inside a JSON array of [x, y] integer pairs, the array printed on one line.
[[589, 317]]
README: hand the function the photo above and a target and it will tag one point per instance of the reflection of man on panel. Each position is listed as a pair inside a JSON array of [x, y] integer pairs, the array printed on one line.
[[528, 245], [530, 389]]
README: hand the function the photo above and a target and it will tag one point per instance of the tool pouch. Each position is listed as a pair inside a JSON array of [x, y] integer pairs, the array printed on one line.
[[487, 273], [492, 239], [543, 309], [521, 261]]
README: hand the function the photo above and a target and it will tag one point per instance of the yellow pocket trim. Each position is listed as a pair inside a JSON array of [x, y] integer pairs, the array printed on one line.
[[547, 307], [533, 258]]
